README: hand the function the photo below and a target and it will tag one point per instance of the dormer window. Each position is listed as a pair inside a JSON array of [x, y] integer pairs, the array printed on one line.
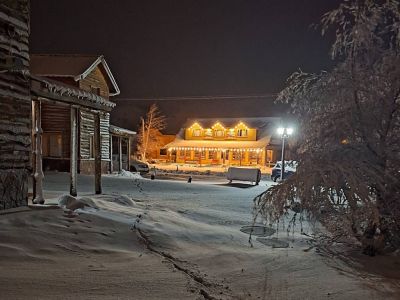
[[231, 132], [196, 132], [95, 90], [242, 132], [208, 133], [219, 133]]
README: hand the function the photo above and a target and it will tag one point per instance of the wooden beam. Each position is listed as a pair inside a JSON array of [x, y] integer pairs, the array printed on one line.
[[74, 152], [128, 154], [111, 154], [39, 199], [120, 154], [33, 148], [97, 154]]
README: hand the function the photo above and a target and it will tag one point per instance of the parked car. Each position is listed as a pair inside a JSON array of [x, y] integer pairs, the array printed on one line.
[[290, 169], [139, 166]]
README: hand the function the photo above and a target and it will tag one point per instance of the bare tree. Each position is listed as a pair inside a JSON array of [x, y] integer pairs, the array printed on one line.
[[149, 132], [348, 146]]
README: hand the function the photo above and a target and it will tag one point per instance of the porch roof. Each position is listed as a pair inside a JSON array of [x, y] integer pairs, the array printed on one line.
[[180, 143], [54, 90], [121, 131]]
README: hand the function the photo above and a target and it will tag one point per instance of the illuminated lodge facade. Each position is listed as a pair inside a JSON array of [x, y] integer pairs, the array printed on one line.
[[230, 142]]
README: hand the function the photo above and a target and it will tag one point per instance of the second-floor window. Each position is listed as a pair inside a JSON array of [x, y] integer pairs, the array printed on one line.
[[242, 132], [219, 133], [95, 90], [196, 132]]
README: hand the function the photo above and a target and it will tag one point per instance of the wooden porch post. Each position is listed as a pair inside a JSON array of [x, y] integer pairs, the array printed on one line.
[[39, 199], [97, 155], [230, 156], [246, 157], [74, 152], [128, 153], [111, 154], [192, 155], [263, 157], [119, 154]]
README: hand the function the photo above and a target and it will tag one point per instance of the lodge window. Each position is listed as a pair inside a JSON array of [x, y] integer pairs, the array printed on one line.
[[269, 155], [231, 133], [196, 132], [212, 154], [52, 144], [242, 132], [219, 133], [197, 154], [95, 90], [237, 155], [253, 155], [163, 151], [208, 133]]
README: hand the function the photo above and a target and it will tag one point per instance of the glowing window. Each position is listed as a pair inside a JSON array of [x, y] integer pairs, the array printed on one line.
[[242, 132], [219, 133], [208, 132], [196, 132]]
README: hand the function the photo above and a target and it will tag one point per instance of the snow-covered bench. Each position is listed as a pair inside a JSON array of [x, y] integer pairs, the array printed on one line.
[[244, 174]]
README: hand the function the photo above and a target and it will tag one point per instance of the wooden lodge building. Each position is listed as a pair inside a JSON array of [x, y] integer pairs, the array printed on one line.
[[228, 141], [71, 114]]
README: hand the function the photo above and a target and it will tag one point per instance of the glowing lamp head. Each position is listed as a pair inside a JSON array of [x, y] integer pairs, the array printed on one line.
[[289, 131], [281, 130]]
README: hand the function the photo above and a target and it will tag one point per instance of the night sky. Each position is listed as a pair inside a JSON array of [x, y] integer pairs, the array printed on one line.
[[184, 48]]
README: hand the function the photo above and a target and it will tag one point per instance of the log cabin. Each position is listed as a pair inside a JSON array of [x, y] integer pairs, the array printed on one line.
[[15, 104], [71, 107], [227, 142], [89, 74]]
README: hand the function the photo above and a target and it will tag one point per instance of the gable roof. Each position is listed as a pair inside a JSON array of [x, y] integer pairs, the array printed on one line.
[[265, 126], [73, 66], [257, 122]]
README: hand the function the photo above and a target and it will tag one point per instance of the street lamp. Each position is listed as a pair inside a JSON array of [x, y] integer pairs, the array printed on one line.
[[284, 132]]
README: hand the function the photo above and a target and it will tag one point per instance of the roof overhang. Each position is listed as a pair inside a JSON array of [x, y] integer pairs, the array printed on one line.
[[115, 130], [54, 90]]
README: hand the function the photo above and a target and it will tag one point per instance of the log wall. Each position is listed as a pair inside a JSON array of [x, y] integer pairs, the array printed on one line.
[[86, 134], [95, 79], [15, 103]]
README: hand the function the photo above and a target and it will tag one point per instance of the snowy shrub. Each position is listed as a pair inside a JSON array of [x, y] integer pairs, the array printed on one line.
[[348, 146]]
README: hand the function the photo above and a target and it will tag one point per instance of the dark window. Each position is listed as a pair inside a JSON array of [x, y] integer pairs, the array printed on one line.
[[52, 145], [163, 151], [95, 90]]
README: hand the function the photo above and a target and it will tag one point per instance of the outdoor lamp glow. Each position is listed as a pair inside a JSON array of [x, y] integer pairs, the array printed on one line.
[[289, 131], [281, 130]]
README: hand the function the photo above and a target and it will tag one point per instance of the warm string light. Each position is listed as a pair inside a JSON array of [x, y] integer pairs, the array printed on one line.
[[217, 149]]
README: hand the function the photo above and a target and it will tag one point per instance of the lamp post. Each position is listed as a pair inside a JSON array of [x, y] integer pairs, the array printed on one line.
[[284, 132]]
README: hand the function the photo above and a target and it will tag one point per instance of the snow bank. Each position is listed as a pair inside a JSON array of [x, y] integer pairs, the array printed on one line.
[[134, 175], [73, 203]]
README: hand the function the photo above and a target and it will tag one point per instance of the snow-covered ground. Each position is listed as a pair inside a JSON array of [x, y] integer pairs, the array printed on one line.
[[197, 226]]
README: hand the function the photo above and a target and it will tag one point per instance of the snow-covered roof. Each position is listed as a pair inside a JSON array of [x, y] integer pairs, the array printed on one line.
[[121, 131], [47, 88], [74, 66], [180, 143], [255, 122], [265, 126]]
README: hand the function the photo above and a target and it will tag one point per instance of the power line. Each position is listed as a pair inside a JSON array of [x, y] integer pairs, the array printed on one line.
[[215, 97]]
